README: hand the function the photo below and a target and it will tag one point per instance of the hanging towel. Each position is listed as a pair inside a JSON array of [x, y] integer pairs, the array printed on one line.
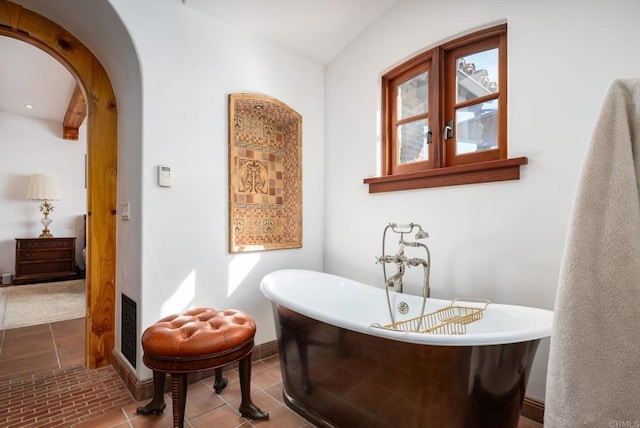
[[593, 377]]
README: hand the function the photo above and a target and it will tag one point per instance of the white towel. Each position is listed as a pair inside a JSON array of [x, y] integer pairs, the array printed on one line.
[[593, 376]]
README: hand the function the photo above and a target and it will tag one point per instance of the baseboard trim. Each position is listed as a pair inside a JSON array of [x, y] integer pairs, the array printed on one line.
[[139, 389], [533, 409], [143, 389]]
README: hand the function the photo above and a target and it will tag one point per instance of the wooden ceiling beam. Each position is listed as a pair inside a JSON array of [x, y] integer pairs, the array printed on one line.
[[75, 115]]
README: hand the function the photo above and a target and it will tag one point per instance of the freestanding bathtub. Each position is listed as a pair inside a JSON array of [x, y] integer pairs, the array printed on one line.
[[340, 371]]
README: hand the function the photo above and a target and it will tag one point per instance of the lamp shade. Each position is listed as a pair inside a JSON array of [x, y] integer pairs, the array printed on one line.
[[42, 187]]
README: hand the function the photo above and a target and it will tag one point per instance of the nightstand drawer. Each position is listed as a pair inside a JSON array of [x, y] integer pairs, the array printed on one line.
[[35, 255], [45, 243], [45, 267]]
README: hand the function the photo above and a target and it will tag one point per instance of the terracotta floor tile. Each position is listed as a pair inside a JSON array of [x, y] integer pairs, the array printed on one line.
[[271, 361], [109, 419], [153, 421], [27, 331], [231, 391], [28, 340], [230, 375], [48, 360], [67, 340], [276, 392], [201, 399], [257, 366], [71, 356], [25, 350], [222, 417], [73, 325], [267, 377]]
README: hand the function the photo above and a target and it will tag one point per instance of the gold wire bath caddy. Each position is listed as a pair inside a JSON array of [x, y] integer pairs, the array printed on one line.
[[452, 319]]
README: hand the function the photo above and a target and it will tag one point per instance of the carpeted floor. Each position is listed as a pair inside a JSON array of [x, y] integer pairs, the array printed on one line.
[[24, 305]]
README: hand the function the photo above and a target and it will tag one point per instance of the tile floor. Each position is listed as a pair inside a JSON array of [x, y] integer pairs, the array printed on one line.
[[43, 383]]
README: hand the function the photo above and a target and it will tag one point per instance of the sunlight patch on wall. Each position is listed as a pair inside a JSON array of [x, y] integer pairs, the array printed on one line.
[[239, 268], [182, 299]]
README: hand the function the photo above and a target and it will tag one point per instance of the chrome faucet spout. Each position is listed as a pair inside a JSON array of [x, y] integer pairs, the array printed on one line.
[[416, 262], [396, 282]]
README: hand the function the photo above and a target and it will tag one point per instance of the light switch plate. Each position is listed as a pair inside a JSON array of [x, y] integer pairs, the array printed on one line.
[[125, 211]]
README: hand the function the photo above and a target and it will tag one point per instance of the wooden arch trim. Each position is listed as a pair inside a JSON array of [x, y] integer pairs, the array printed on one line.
[[28, 26]]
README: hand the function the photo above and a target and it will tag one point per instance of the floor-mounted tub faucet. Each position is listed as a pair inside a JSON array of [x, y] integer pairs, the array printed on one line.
[[401, 261]]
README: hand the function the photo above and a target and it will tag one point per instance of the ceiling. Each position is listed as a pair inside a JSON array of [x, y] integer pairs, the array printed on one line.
[[314, 29], [30, 76]]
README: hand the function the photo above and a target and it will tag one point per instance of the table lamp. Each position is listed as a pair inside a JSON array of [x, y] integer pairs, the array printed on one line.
[[42, 187]]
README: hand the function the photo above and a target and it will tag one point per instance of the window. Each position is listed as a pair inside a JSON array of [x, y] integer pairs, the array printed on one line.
[[445, 116]]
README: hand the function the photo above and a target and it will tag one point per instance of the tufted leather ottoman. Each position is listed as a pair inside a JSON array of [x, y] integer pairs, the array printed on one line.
[[200, 339]]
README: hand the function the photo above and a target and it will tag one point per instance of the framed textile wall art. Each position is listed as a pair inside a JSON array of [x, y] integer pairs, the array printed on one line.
[[265, 174]]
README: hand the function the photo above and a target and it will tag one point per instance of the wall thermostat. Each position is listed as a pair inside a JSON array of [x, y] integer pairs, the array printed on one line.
[[164, 176]]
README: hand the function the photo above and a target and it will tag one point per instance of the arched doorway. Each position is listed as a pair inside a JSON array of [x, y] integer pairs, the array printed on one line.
[[102, 144]]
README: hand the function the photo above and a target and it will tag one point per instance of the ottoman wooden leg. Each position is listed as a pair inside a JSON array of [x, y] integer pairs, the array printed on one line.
[[247, 408], [156, 405], [219, 382], [179, 398]]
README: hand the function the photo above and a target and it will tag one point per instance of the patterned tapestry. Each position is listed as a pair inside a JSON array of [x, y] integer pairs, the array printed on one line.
[[265, 174]]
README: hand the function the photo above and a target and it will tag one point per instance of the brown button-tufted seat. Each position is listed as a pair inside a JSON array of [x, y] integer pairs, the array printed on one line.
[[200, 339]]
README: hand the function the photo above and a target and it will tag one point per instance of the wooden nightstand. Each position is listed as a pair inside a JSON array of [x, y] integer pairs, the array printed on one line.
[[45, 259]]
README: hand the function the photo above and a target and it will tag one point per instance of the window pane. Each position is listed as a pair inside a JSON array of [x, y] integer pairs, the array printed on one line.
[[412, 142], [477, 127], [412, 96], [477, 75]]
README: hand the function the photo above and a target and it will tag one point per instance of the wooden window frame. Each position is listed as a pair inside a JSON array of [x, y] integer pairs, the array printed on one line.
[[390, 82], [444, 167]]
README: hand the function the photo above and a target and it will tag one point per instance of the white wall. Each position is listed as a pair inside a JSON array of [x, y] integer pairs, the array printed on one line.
[[190, 63], [29, 146], [501, 241]]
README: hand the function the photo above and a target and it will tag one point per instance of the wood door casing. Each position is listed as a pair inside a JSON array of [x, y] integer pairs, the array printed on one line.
[[25, 25]]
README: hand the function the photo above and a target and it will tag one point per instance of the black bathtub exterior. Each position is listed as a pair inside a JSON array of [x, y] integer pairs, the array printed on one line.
[[336, 377]]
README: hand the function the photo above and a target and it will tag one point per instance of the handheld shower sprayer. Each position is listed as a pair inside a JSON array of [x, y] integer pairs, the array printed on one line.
[[421, 234]]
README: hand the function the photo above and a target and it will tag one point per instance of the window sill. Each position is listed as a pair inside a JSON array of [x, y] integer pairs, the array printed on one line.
[[482, 172]]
